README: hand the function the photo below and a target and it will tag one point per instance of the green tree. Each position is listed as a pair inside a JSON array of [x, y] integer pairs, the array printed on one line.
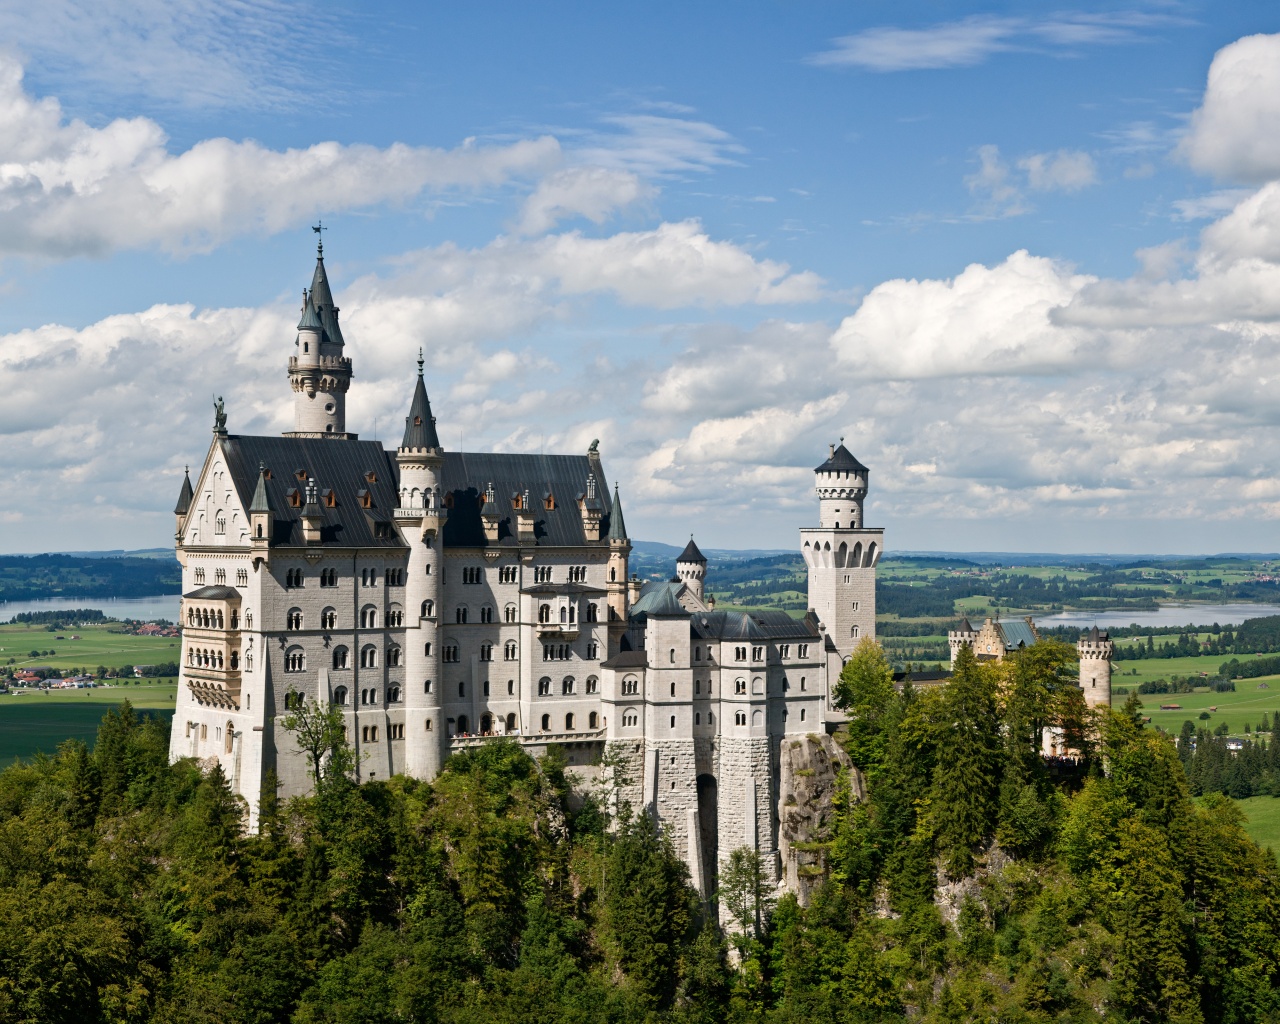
[[865, 693], [745, 892], [321, 735]]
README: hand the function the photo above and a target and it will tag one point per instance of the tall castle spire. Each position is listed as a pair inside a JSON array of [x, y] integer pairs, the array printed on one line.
[[420, 425], [319, 373]]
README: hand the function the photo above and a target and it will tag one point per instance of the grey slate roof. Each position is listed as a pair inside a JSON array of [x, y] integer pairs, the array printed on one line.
[[309, 318], [466, 476], [184, 496], [617, 528], [337, 465], [217, 593], [420, 425], [1096, 634], [261, 497], [322, 298], [627, 659], [964, 626], [691, 553], [757, 625], [841, 461], [662, 603]]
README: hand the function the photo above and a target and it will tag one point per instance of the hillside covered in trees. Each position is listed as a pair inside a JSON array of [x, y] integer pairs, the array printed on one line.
[[37, 577], [976, 881]]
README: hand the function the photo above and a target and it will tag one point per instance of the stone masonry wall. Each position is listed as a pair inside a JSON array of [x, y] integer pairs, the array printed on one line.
[[807, 777]]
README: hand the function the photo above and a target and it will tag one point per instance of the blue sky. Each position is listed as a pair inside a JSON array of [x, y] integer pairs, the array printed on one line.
[[1019, 255]]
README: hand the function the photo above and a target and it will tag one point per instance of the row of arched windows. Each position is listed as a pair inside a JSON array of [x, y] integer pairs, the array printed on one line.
[[212, 618], [201, 657]]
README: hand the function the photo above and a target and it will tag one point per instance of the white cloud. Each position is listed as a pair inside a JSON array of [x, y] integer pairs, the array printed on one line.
[[67, 188], [973, 40], [655, 147], [992, 321], [992, 184], [591, 192], [1067, 170], [1235, 133], [180, 52]]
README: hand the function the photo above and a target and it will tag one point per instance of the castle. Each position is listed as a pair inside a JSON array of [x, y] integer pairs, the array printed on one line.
[[438, 598]]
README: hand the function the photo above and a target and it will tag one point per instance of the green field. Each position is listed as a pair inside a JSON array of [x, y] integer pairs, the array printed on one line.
[[1262, 814], [1245, 706], [28, 726], [97, 646]]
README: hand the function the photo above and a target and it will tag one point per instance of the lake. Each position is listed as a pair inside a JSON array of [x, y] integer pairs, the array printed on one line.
[[146, 608], [1167, 615]]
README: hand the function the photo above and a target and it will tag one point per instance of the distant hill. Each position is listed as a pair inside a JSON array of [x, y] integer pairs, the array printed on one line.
[[38, 577]]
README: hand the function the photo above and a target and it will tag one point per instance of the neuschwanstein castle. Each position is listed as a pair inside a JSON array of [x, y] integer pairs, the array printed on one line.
[[439, 598]]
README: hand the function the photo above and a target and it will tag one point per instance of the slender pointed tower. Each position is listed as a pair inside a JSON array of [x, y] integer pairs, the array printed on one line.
[[691, 566], [420, 521], [616, 585], [318, 371]]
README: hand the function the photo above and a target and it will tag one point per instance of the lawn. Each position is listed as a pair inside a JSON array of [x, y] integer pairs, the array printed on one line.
[[1262, 815], [39, 725], [96, 646], [141, 693], [1166, 668]]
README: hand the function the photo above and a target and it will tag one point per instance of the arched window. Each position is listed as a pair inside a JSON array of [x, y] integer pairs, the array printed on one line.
[[369, 657], [462, 724], [428, 608], [511, 687], [461, 613], [564, 614], [295, 660], [593, 684], [593, 613], [509, 651], [295, 618], [341, 658], [368, 617], [568, 722], [486, 613], [511, 721], [395, 617], [235, 659], [630, 718], [393, 657], [229, 733], [593, 720], [566, 685], [673, 655], [509, 613], [393, 695], [235, 619], [544, 686], [486, 725], [546, 723], [329, 619], [544, 613]]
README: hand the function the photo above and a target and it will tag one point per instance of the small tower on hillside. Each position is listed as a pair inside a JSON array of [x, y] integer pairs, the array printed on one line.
[[419, 521], [842, 553], [1095, 649], [691, 567], [957, 638], [318, 371]]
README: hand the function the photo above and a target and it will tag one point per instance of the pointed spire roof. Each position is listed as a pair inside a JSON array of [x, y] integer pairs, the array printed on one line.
[[841, 460], [964, 626], [420, 425], [617, 528], [322, 299], [691, 553], [186, 495], [310, 320], [261, 499]]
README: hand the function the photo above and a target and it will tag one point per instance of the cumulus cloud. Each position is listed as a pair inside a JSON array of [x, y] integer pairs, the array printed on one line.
[[67, 188], [591, 192], [1235, 133]]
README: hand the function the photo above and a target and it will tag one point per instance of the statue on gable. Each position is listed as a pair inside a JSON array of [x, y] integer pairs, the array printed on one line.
[[219, 416]]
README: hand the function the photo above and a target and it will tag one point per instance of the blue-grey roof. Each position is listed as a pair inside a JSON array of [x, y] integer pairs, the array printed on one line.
[[309, 321], [322, 299], [841, 461], [261, 497], [1016, 633], [420, 425], [467, 475], [617, 528], [340, 465], [659, 599], [214, 593], [184, 496], [691, 554]]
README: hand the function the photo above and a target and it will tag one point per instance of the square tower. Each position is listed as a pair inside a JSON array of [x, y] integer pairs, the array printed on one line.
[[842, 553]]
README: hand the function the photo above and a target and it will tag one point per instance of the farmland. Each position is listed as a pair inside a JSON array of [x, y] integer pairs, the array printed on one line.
[[1262, 820], [98, 645]]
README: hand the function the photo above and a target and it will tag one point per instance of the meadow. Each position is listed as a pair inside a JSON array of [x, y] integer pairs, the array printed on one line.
[[1262, 820], [97, 645]]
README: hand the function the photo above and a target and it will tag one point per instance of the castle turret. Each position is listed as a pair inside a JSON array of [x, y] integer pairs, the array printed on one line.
[[965, 634], [419, 519], [616, 584], [691, 567], [842, 553], [1095, 649], [185, 497], [262, 519], [319, 373]]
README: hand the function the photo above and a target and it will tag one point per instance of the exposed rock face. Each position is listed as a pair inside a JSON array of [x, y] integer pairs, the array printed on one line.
[[806, 795], [951, 893]]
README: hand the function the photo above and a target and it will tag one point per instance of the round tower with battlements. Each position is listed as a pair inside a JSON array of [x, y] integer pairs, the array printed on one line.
[[959, 637], [691, 568], [1095, 649], [319, 373]]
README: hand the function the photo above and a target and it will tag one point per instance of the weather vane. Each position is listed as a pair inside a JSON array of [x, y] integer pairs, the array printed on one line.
[[317, 227]]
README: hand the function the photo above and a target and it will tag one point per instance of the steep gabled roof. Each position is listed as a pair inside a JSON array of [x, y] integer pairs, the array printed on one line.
[[661, 599], [185, 496], [322, 299], [420, 425], [841, 460], [1015, 633], [691, 553]]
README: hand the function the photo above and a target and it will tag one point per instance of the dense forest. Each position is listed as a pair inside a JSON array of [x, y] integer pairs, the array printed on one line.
[[969, 879], [35, 577]]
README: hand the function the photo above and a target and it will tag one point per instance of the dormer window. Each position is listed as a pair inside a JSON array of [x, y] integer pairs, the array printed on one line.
[[329, 498], [517, 502], [550, 502], [300, 474], [366, 498], [295, 497], [417, 421], [371, 477]]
